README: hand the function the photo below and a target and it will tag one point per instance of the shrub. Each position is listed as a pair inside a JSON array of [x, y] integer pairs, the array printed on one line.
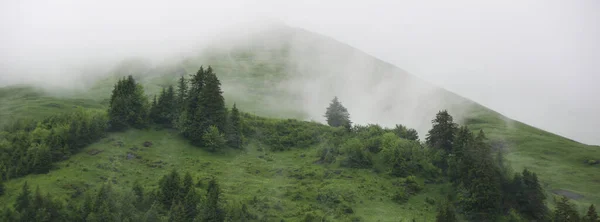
[[356, 156]]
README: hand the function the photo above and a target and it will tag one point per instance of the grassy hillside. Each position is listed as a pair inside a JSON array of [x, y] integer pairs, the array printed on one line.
[[289, 73], [285, 183]]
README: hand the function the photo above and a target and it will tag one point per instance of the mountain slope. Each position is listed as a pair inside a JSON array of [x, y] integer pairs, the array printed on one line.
[[291, 73]]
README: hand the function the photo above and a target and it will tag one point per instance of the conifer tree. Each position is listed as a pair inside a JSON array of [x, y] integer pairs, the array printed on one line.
[[591, 215], [190, 125], [177, 213], [234, 132], [565, 211], [190, 204], [152, 214], [23, 199], [213, 210], [212, 103], [128, 105], [182, 90], [2, 188], [441, 136], [337, 115], [446, 214], [170, 188], [153, 115], [532, 197]]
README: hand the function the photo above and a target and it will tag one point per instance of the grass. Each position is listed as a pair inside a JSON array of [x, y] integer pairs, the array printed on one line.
[[286, 184], [249, 78]]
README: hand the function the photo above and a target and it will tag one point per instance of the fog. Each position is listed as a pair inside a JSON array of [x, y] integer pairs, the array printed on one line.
[[533, 61]]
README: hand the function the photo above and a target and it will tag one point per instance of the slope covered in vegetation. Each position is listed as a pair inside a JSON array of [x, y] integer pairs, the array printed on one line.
[[284, 168]]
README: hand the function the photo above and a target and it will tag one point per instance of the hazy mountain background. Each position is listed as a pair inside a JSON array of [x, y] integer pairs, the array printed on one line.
[[530, 60]]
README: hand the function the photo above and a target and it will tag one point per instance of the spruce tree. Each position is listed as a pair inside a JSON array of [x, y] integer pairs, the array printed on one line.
[[591, 215], [337, 115], [234, 132], [2, 188], [182, 90], [213, 210], [153, 115], [532, 199], [441, 136], [565, 211], [212, 103], [128, 105], [170, 188], [22, 203], [190, 126], [177, 213]]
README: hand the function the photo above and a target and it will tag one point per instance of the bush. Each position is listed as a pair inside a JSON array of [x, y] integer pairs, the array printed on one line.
[[356, 156], [213, 139]]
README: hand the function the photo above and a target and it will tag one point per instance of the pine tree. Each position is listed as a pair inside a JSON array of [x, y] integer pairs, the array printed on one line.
[[234, 132], [532, 197], [153, 115], [2, 188], [591, 215], [128, 105], [212, 103], [190, 204], [441, 136], [182, 90], [337, 115], [177, 213], [191, 125], [446, 214], [213, 210], [23, 199], [565, 211], [170, 188]]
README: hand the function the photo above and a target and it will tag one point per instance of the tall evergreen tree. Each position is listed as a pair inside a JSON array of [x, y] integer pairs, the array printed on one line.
[[591, 215], [23, 199], [170, 188], [337, 115], [213, 210], [177, 213], [565, 211], [153, 114], [182, 93], [128, 105], [441, 136], [165, 112], [212, 103], [234, 132], [532, 198]]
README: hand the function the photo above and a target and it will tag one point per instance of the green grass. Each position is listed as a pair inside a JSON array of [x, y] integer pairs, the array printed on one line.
[[249, 77], [285, 183]]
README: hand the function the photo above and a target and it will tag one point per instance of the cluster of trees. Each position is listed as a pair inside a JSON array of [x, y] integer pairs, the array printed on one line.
[[175, 200], [196, 109], [29, 146]]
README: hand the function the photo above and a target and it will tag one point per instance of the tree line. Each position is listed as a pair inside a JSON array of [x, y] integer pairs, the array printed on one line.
[[176, 199], [196, 109]]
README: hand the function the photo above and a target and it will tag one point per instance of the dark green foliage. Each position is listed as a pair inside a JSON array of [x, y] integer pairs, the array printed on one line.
[[406, 157], [441, 136], [2, 188], [23, 199], [128, 105], [205, 106], [480, 188], [530, 196], [591, 215], [446, 214], [327, 154], [163, 110], [404, 133], [213, 210], [234, 129], [170, 189], [337, 115], [281, 135], [182, 94], [190, 204], [213, 139], [34, 146], [177, 213], [565, 211], [356, 155]]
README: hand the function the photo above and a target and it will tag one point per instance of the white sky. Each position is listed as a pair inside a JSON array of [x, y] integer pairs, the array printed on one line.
[[534, 61]]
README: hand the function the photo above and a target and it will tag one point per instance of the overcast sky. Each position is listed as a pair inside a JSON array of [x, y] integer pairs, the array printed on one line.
[[534, 61]]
